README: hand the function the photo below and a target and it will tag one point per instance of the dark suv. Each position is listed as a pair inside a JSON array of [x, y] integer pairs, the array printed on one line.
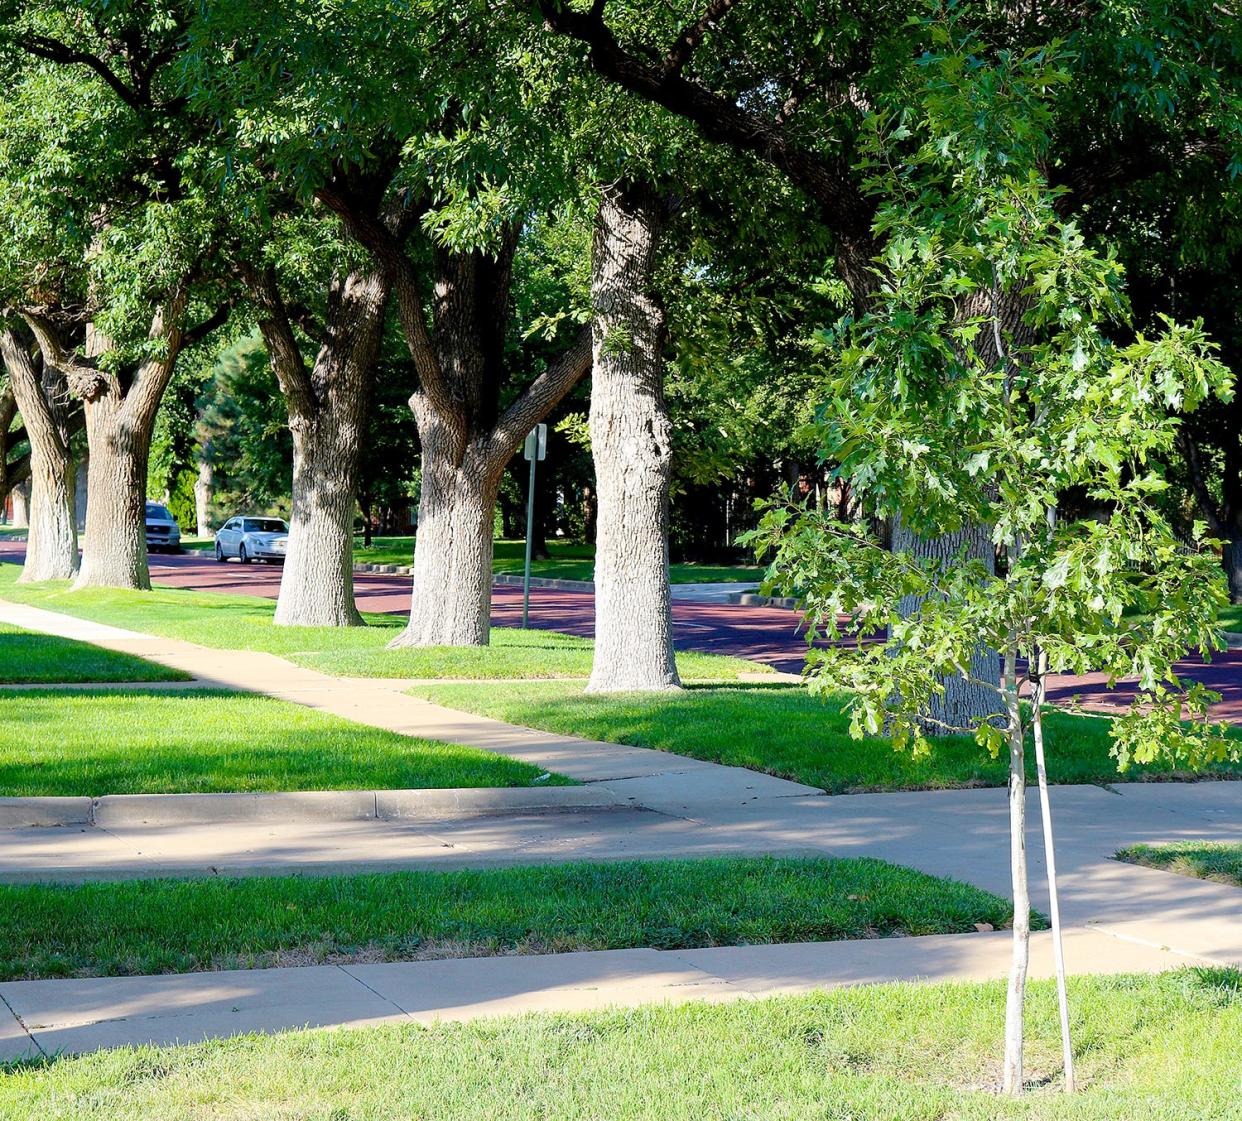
[[163, 533]]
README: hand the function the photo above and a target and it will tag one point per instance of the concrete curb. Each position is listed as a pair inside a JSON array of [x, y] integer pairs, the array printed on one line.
[[114, 811], [753, 599]]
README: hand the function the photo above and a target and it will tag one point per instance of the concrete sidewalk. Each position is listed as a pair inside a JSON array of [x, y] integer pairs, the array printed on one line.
[[1118, 917], [47, 1017]]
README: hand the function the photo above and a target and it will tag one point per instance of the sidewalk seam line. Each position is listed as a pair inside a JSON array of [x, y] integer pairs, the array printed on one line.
[[22, 1024]]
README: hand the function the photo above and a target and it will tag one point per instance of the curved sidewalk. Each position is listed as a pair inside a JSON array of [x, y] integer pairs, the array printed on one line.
[[1118, 917]]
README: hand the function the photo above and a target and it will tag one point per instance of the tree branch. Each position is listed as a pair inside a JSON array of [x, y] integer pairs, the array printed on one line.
[[539, 399], [692, 35], [53, 50], [213, 322], [282, 347]]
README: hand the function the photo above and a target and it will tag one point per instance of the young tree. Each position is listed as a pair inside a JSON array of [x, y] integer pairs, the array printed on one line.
[[944, 420]]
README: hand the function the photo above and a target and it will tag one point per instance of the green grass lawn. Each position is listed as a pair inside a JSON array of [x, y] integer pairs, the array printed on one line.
[[105, 742], [1205, 860], [176, 926], [236, 622], [27, 658], [568, 561], [1159, 1048], [784, 731], [1230, 617]]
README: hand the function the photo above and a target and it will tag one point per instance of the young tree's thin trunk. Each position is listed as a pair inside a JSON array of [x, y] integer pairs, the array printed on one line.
[[1016, 996], [631, 438], [42, 395], [965, 704], [328, 405], [203, 491]]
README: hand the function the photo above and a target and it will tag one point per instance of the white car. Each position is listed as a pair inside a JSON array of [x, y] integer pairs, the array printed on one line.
[[251, 539]]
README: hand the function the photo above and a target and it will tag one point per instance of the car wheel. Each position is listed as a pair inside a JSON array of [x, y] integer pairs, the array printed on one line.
[[219, 554], [241, 554]]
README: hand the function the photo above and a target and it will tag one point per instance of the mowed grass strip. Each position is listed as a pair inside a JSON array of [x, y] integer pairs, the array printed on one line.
[[70, 742], [1218, 861], [783, 730], [235, 622], [1161, 1048], [161, 926], [27, 658]]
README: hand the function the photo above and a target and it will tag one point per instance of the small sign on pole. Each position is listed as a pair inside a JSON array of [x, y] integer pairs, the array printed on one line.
[[537, 443], [536, 449]]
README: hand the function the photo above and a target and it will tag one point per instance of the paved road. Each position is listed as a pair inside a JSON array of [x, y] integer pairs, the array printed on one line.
[[763, 634]]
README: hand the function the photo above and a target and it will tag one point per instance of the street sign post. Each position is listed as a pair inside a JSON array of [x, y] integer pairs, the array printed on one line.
[[536, 449]]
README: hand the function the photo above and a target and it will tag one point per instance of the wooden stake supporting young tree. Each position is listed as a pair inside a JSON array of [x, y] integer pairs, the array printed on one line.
[[945, 421], [1040, 680]]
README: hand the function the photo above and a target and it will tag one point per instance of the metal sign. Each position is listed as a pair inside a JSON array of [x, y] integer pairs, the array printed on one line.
[[537, 443]]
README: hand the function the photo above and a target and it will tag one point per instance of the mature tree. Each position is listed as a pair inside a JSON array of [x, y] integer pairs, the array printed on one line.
[[794, 88], [1055, 403], [105, 272]]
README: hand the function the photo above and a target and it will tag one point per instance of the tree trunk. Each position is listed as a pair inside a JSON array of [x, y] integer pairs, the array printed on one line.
[[114, 553], [81, 492], [631, 446], [328, 406], [1016, 996], [42, 395], [21, 505], [1231, 558], [452, 598], [964, 704], [203, 491]]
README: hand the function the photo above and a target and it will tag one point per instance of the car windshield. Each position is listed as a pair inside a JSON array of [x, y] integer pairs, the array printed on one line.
[[264, 525], [156, 511]]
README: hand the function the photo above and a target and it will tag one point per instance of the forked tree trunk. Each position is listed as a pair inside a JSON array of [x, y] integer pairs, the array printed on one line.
[[43, 398], [327, 405], [115, 549], [203, 491], [965, 704], [1015, 1001], [631, 438]]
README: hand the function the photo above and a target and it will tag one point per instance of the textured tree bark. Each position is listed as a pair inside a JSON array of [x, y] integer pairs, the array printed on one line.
[[631, 438], [465, 445], [452, 599], [203, 491], [21, 505], [42, 395], [964, 704], [328, 406], [115, 548], [1015, 1001], [120, 415]]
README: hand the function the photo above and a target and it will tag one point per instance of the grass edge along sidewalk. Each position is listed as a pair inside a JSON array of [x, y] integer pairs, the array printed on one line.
[[29, 658], [1162, 1048], [191, 925], [92, 742], [237, 622], [780, 729], [1218, 861]]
